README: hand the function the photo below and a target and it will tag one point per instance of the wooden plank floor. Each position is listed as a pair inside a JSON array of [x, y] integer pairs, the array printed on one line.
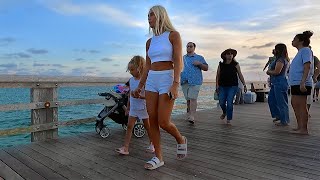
[[253, 148]]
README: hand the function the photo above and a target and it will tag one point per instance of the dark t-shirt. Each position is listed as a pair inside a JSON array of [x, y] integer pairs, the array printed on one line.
[[228, 74]]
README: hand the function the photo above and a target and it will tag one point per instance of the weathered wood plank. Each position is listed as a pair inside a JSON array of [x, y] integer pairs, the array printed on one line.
[[19, 167], [42, 116], [7, 173], [53, 104], [47, 126], [60, 169], [44, 171], [253, 148]]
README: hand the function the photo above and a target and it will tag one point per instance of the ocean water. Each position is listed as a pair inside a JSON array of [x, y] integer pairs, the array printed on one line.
[[15, 119]]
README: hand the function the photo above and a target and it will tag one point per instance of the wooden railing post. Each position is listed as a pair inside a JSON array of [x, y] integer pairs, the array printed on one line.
[[44, 115]]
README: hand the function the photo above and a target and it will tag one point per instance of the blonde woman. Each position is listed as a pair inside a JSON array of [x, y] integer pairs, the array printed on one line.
[[161, 79]]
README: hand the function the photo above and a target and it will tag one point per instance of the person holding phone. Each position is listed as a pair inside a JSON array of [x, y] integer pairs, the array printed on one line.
[[161, 78]]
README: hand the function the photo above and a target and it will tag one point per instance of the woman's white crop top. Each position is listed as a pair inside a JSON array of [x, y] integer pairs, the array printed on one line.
[[160, 48]]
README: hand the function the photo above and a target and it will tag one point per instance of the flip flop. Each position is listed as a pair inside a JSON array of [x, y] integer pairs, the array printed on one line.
[[182, 149], [155, 163]]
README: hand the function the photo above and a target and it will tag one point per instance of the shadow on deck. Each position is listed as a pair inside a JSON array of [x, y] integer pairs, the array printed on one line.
[[253, 148]]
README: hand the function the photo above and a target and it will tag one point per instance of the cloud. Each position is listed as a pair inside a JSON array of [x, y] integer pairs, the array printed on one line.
[[116, 65], [17, 55], [257, 57], [48, 65], [87, 51], [37, 51], [270, 44], [7, 40], [106, 60], [9, 66], [99, 11], [80, 59]]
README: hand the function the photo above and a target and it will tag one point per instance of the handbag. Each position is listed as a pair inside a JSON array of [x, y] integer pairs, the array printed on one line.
[[216, 95]]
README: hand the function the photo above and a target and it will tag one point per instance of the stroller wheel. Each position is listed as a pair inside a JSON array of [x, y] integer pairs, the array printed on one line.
[[124, 127], [138, 130], [105, 132], [98, 127]]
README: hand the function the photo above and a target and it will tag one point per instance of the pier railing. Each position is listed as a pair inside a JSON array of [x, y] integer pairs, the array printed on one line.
[[44, 103]]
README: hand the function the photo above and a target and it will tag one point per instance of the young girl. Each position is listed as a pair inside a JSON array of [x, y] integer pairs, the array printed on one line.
[[136, 105]]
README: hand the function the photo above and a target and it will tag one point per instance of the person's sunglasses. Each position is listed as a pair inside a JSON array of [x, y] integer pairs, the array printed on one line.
[[189, 46]]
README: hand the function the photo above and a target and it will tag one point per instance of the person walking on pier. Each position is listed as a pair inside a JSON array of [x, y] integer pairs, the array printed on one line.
[[227, 83], [136, 107], [161, 78], [191, 79]]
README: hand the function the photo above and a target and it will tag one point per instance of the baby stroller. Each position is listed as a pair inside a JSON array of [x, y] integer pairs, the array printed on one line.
[[115, 109]]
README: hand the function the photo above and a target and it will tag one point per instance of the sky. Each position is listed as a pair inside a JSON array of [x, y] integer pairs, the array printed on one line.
[[98, 38]]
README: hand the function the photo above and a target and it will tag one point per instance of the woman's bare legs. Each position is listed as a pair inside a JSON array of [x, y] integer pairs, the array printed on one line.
[[299, 104], [164, 118], [146, 125], [159, 110], [152, 99]]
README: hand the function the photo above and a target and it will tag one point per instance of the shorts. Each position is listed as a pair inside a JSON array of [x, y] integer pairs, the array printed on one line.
[[141, 114], [295, 90], [159, 81], [317, 85], [190, 91], [310, 97]]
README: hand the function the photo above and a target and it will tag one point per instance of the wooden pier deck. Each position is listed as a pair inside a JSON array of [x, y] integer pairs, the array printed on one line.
[[253, 148]]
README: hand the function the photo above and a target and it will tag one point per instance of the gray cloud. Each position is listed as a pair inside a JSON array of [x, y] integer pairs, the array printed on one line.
[[48, 65], [9, 66], [257, 57], [270, 44], [6, 41], [80, 59], [17, 55], [106, 59], [37, 51], [91, 67], [116, 65], [92, 51]]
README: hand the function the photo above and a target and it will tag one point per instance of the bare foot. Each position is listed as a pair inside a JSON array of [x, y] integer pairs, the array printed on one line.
[[228, 123], [300, 132], [296, 129]]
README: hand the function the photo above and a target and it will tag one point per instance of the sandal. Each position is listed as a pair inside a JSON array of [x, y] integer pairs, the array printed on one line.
[[182, 149], [150, 149], [155, 163], [121, 151], [275, 120], [222, 116], [191, 119]]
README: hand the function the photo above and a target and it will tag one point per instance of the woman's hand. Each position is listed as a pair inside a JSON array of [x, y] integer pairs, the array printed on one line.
[[174, 91], [303, 87]]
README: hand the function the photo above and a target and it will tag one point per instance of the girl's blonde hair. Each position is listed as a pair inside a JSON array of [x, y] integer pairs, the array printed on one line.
[[163, 22], [138, 62]]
